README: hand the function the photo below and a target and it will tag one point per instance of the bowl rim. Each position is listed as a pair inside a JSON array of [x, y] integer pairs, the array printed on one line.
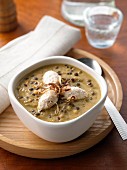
[[13, 83]]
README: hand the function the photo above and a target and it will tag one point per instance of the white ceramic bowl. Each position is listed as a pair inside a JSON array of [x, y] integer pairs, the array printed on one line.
[[61, 131]]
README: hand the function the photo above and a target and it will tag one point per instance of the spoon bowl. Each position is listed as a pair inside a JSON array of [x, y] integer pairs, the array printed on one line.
[[92, 64]]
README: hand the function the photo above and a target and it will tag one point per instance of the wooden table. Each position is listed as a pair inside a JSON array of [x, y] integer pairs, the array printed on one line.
[[111, 152]]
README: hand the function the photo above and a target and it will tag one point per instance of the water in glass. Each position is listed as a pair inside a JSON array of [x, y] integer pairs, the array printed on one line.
[[103, 33], [102, 25]]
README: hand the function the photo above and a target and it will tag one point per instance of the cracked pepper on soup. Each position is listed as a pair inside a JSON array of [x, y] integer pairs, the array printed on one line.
[[58, 92]]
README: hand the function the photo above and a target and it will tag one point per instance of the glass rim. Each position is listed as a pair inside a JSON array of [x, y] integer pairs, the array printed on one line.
[[86, 13]]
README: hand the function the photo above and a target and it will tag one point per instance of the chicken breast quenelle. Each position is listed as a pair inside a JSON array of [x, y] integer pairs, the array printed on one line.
[[47, 100], [74, 93], [51, 77]]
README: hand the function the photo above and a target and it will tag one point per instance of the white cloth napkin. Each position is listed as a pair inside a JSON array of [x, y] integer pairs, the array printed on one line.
[[50, 37]]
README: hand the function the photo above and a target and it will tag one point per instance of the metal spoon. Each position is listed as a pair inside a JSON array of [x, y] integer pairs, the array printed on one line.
[[113, 112], [92, 63]]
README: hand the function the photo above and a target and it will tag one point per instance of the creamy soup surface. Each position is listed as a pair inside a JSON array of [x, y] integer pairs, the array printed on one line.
[[31, 88]]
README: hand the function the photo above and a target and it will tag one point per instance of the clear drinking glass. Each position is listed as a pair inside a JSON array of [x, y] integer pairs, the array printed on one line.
[[102, 25], [72, 10]]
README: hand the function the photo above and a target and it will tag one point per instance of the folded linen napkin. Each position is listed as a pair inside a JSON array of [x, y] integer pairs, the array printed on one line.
[[50, 37]]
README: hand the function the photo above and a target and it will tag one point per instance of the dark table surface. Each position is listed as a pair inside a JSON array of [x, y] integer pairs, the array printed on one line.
[[111, 152]]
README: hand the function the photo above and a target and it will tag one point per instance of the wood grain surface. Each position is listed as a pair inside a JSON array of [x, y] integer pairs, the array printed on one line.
[[111, 152]]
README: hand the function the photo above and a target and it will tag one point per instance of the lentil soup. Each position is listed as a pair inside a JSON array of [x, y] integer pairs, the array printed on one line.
[[31, 88]]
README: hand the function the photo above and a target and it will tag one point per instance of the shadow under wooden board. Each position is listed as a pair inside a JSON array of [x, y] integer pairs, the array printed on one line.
[[16, 138]]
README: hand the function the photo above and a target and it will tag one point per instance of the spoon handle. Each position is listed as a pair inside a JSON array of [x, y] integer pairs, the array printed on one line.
[[117, 119]]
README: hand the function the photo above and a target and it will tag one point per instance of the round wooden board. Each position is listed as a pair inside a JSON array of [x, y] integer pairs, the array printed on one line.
[[16, 138]]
